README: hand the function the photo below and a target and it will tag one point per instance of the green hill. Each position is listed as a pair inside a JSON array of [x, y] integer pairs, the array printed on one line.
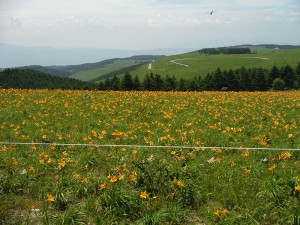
[[109, 68], [185, 66], [92, 71], [194, 64], [32, 79], [48, 70]]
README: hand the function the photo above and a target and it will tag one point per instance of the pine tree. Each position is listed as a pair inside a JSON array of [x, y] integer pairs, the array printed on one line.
[[208, 82], [231, 81], [274, 73], [260, 82], [108, 84], [158, 82], [288, 76], [136, 83], [127, 82], [148, 83], [244, 80], [101, 86], [193, 85], [115, 83], [182, 86], [219, 79], [170, 83]]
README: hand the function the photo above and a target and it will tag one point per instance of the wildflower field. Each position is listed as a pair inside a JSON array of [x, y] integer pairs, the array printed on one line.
[[55, 184]]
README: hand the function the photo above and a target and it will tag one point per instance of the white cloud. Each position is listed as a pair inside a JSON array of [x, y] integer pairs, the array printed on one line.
[[161, 21], [140, 22], [269, 18], [263, 4], [15, 21], [294, 17]]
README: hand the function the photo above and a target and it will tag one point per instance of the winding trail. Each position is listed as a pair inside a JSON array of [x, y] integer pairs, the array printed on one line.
[[186, 65], [181, 64], [262, 58]]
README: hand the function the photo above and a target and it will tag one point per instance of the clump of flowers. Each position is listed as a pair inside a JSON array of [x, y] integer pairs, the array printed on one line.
[[50, 198], [180, 183], [143, 195], [246, 154], [285, 155], [221, 213], [272, 168]]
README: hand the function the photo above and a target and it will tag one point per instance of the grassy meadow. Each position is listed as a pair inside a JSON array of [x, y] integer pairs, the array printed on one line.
[[117, 64], [202, 64], [53, 184]]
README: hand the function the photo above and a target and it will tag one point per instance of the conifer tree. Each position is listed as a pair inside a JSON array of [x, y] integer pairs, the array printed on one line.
[[115, 83], [148, 83], [136, 83], [219, 79], [182, 86], [170, 83], [274, 73], [158, 82], [108, 84], [260, 81], [231, 81], [288, 76], [127, 82]]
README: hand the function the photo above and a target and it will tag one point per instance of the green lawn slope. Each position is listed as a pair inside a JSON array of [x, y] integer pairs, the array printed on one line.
[[108, 68], [197, 64], [117, 64]]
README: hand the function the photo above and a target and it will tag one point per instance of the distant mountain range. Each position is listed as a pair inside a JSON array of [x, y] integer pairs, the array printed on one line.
[[17, 56]]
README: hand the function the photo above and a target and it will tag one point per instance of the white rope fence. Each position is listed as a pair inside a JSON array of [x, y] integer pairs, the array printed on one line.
[[149, 146]]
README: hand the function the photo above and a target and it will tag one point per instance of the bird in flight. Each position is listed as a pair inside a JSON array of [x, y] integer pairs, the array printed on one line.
[[211, 12]]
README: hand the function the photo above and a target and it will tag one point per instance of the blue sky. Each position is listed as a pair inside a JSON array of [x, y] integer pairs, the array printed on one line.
[[140, 24]]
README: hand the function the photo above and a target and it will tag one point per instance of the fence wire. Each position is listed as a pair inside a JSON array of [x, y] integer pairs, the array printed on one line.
[[149, 146]]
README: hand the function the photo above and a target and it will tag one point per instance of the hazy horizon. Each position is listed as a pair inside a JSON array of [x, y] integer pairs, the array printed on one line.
[[143, 25], [18, 56]]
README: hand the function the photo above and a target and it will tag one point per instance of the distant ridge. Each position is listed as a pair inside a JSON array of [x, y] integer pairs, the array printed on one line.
[[272, 46]]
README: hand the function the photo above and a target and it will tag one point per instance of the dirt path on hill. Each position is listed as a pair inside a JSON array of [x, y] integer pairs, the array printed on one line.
[[181, 64], [262, 58]]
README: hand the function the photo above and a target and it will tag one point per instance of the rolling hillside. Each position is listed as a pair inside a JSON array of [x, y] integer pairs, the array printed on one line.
[[194, 64], [185, 66], [110, 67], [94, 71]]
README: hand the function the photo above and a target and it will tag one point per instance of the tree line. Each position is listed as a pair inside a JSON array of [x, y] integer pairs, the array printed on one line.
[[241, 79], [225, 50]]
